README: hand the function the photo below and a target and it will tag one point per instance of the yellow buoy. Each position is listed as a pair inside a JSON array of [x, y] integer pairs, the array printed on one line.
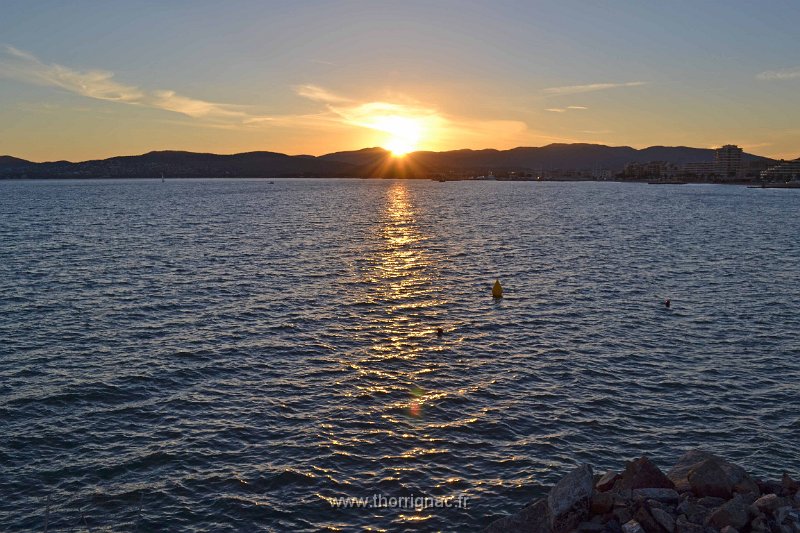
[[497, 290]]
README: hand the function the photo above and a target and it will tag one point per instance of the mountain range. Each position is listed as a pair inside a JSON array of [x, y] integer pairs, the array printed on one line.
[[365, 163]]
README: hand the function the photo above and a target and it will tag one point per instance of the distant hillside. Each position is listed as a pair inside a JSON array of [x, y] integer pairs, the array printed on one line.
[[550, 157], [6, 161], [368, 162]]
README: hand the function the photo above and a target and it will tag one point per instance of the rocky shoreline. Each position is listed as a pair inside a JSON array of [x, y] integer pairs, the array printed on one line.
[[701, 493]]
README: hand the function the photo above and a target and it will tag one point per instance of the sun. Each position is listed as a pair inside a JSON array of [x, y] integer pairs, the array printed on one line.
[[404, 133]]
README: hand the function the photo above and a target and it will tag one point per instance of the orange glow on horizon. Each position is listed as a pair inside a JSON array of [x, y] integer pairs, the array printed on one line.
[[404, 133]]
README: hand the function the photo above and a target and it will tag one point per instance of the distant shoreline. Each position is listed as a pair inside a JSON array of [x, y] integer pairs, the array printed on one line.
[[748, 184]]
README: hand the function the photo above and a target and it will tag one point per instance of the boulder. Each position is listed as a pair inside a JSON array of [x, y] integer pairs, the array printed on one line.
[[768, 503], [770, 487], [632, 526], [737, 477], [572, 489], [790, 486], [643, 474], [606, 482], [664, 519], [709, 479], [732, 513], [694, 512], [590, 527], [683, 525], [622, 515], [660, 495], [646, 520], [711, 501], [759, 525], [781, 513], [571, 493], [531, 519], [602, 503]]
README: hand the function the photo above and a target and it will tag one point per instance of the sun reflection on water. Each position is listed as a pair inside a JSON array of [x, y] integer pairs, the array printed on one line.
[[403, 274]]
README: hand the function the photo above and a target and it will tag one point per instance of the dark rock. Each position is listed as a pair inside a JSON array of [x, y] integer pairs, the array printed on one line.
[[733, 513], [694, 512], [531, 519], [664, 519], [729, 529], [711, 502], [622, 515], [661, 495], [590, 527], [646, 520], [737, 476], [768, 503], [781, 513], [568, 501], [643, 474], [606, 482], [770, 487], [790, 486], [602, 503], [632, 526], [683, 525], [709, 479], [759, 525]]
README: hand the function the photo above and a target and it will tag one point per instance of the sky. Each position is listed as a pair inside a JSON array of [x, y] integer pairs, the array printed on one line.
[[92, 79]]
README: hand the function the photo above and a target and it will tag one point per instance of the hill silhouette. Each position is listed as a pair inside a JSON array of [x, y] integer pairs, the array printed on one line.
[[367, 162]]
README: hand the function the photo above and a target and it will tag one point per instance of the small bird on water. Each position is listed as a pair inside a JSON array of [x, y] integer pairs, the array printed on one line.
[[667, 303], [497, 290]]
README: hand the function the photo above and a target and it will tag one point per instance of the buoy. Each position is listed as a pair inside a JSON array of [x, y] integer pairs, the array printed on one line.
[[667, 303], [439, 332], [497, 290]]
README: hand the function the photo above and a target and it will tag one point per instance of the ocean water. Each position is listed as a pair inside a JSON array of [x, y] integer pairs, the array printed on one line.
[[235, 355]]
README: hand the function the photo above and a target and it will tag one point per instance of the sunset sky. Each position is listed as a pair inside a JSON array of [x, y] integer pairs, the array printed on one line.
[[91, 79]]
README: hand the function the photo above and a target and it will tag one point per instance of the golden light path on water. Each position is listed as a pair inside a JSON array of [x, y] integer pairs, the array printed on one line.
[[401, 280]]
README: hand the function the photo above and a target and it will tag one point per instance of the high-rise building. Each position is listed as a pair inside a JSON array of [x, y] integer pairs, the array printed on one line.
[[728, 160]]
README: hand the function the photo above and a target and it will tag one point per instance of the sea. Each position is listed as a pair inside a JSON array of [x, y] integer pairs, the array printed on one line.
[[243, 355]]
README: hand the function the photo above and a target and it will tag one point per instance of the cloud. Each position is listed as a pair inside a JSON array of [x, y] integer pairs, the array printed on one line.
[[781, 74], [100, 85], [565, 109], [397, 116], [319, 94], [577, 89]]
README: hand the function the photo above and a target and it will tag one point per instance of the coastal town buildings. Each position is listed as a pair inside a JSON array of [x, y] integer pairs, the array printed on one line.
[[728, 161], [785, 171]]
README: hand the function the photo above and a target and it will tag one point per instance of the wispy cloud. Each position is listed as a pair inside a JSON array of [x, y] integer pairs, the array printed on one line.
[[436, 129], [780, 74], [101, 85], [577, 89], [314, 92], [565, 109]]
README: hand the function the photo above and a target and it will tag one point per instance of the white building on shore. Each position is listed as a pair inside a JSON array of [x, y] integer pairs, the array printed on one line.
[[785, 171]]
